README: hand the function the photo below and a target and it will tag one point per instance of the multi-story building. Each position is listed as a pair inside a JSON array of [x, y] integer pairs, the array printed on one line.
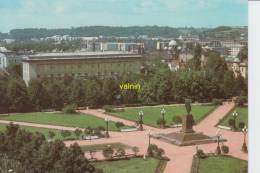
[[80, 65], [7, 58], [3, 61]]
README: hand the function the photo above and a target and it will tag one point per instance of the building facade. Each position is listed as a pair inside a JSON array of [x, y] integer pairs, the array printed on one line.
[[80, 65], [3, 61]]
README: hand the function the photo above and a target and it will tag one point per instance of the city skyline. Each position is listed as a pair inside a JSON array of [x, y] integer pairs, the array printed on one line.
[[173, 13]]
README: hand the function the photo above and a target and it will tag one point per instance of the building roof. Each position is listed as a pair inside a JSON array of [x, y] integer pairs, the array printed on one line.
[[81, 55]]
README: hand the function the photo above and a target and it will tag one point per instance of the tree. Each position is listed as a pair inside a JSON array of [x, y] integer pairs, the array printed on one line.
[[196, 61], [3, 94], [58, 93], [39, 95], [78, 93], [243, 54], [15, 70], [17, 96], [31, 153]]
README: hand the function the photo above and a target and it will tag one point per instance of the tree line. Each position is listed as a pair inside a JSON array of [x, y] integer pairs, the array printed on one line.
[[22, 151], [158, 85]]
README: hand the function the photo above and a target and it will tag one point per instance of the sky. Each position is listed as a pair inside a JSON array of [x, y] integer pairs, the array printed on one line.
[[74, 13]]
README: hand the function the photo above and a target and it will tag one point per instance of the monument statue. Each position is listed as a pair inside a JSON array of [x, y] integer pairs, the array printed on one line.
[[187, 120], [188, 105]]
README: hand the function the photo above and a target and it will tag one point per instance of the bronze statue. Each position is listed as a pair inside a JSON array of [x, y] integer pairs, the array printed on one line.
[[188, 105]]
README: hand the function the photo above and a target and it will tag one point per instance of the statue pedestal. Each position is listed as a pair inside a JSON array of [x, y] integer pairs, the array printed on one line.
[[187, 124], [186, 136]]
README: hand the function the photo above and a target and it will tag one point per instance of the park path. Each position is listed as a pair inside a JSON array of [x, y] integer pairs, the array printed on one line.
[[180, 157]]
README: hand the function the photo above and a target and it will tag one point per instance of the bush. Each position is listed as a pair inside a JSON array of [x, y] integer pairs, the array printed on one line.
[[69, 109], [135, 150], [241, 100], [155, 151], [241, 125], [231, 122], [65, 133], [224, 149], [101, 128], [51, 134], [161, 122], [200, 153], [217, 102], [176, 119], [78, 132], [120, 152], [119, 125], [108, 152], [108, 108]]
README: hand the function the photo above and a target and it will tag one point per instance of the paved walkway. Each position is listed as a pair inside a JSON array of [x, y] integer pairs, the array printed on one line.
[[180, 157]]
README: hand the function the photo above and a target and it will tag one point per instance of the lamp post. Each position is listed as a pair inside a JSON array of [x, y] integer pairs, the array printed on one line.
[[163, 113], [107, 121], [149, 140], [235, 114], [218, 150], [244, 146], [141, 114]]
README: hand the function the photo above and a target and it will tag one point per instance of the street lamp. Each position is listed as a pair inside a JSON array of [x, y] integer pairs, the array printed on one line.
[[141, 115], [235, 114], [218, 150], [244, 146], [149, 139], [107, 121], [163, 113]]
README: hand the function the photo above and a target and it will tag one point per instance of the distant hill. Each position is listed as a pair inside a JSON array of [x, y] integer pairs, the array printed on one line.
[[95, 31], [151, 31]]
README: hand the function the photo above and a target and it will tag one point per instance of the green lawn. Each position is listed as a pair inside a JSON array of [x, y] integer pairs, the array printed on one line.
[[152, 113], [99, 147], [242, 116], [221, 164], [44, 131], [61, 119], [134, 165]]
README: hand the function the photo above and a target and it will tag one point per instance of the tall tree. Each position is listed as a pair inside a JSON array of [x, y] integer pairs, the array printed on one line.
[[39, 95], [17, 95], [196, 61]]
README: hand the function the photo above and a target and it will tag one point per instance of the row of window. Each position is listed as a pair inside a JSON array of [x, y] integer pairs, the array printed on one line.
[[78, 75]]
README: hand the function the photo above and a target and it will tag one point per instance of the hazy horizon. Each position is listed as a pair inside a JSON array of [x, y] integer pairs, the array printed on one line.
[[56, 14]]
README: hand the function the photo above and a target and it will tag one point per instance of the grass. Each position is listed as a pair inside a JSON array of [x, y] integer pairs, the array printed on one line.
[[99, 147], [221, 164], [134, 165], [242, 116], [44, 131], [152, 113], [60, 119]]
